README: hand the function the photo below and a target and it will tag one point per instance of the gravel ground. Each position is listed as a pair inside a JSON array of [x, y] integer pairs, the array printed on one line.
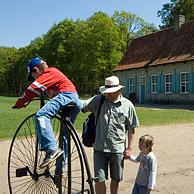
[[173, 147]]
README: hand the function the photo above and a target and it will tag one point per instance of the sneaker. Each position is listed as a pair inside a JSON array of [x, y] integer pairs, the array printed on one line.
[[51, 155]]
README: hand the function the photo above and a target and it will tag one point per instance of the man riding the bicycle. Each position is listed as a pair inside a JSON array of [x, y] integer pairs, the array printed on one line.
[[61, 92]]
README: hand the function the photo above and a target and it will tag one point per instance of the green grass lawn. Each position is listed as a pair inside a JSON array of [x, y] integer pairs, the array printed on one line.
[[11, 118], [151, 116]]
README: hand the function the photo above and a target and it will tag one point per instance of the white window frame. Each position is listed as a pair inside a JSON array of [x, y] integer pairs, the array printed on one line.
[[168, 83], [184, 83], [142, 80], [154, 84], [131, 84]]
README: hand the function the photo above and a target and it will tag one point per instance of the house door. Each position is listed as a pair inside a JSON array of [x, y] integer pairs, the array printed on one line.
[[142, 89]]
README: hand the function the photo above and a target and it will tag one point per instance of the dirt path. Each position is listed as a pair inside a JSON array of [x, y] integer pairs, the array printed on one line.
[[174, 148]]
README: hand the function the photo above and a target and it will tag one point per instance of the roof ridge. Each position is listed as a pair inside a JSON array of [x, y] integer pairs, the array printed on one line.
[[165, 46]]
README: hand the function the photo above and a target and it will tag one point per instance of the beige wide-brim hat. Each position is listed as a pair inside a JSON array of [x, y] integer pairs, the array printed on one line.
[[111, 85]]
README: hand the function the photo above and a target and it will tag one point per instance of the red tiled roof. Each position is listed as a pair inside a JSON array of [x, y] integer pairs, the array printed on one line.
[[166, 46]]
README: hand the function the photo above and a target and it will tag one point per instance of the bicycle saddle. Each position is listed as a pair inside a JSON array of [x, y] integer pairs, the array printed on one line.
[[66, 110]]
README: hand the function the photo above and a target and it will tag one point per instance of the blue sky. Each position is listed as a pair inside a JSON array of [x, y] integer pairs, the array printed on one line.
[[21, 21]]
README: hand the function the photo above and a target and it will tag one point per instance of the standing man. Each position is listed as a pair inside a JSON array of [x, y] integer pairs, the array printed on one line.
[[116, 119]]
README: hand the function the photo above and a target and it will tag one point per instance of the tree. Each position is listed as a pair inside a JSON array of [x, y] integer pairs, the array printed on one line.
[[8, 58], [86, 51], [131, 26], [101, 48], [174, 8], [57, 44]]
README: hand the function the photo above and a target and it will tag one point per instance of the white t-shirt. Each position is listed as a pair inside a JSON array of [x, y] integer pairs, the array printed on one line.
[[146, 175]]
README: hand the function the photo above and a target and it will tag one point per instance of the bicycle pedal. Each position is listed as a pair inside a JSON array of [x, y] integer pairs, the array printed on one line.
[[21, 172]]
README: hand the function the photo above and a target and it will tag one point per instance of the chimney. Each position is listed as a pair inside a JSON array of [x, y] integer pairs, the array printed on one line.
[[179, 20]]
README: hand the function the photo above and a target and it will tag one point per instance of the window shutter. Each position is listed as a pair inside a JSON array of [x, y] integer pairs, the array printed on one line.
[[193, 82], [159, 83], [174, 83], [135, 84], [190, 82], [162, 83], [149, 84], [177, 82]]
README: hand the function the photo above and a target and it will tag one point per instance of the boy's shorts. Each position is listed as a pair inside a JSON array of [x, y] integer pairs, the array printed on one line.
[[103, 160]]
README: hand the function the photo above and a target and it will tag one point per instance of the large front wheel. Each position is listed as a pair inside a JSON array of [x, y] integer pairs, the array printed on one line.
[[24, 174]]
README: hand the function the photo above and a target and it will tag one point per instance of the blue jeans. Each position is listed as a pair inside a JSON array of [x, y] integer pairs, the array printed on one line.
[[138, 189], [43, 118]]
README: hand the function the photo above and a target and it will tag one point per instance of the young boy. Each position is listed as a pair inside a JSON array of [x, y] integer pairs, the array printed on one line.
[[61, 91], [146, 177]]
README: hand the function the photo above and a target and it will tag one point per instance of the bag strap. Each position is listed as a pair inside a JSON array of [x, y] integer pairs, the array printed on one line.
[[102, 98]]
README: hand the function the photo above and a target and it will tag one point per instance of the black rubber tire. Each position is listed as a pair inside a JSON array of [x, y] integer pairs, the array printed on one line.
[[22, 156]]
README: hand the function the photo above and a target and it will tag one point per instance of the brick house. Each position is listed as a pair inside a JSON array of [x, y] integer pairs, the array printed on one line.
[[159, 67]]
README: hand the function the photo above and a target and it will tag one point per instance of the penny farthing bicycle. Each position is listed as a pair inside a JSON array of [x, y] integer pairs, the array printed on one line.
[[24, 174]]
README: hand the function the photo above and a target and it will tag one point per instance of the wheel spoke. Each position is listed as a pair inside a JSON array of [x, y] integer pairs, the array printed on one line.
[[22, 154]]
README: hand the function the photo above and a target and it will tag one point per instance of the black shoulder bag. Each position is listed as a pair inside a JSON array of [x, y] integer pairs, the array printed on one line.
[[89, 126]]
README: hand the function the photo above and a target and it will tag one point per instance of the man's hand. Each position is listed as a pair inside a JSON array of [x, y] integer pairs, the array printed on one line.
[[127, 153]]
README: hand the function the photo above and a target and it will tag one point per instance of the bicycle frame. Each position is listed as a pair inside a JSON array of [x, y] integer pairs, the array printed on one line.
[[22, 169], [90, 178]]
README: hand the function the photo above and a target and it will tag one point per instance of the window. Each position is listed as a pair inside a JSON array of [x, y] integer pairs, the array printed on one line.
[[131, 85], [184, 82], [154, 82], [142, 80], [168, 83]]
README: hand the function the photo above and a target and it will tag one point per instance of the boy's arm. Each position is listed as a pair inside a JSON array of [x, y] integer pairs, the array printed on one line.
[[153, 171], [135, 158], [26, 97]]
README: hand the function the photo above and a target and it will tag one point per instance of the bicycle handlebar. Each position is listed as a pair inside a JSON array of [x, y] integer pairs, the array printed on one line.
[[41, 98]]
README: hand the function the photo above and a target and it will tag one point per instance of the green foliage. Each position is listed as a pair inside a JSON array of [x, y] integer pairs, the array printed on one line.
[[131, 26], [8, 59], [101, 49], [86, 51], [174, 8], [57, 44]]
